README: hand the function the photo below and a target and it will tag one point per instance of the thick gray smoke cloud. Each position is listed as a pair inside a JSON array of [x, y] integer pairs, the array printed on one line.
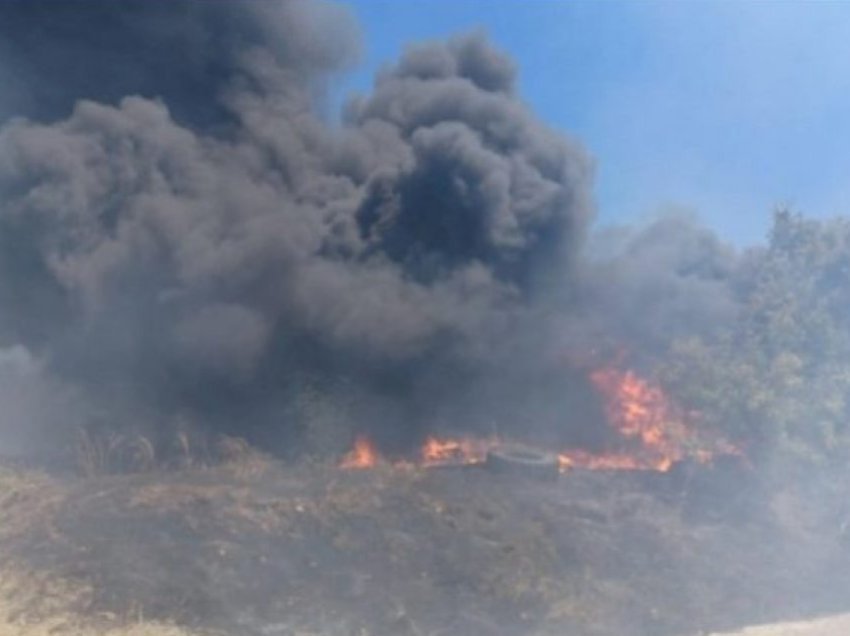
[[181, 231], [55, 52], [652, 283]]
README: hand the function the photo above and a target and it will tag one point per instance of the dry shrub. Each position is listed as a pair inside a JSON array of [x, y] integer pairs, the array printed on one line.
[[110, 452], [91, 453], [242, 459]]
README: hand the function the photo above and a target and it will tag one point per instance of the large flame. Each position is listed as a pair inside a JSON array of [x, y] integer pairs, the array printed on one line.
[[640, 411], [653, 434]]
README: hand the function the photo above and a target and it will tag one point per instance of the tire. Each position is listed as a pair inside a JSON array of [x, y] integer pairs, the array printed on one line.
[[521, 460]]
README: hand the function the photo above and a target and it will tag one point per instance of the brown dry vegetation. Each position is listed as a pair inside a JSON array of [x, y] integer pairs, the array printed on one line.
[[42, 603], [33, 604], [254, 547]]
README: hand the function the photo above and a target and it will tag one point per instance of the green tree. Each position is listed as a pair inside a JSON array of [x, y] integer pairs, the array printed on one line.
[[779, 377]]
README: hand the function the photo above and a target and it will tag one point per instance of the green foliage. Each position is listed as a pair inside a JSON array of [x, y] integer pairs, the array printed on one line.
[[779, 377]]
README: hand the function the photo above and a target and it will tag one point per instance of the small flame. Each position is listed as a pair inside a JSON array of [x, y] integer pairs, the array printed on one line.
[[363, 455], [442, 451], [571, 459]]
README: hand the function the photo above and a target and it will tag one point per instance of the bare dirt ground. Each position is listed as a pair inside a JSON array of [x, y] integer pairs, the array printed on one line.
[[264, 549]]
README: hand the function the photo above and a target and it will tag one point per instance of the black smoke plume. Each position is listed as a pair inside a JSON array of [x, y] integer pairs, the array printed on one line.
[[183, 234]]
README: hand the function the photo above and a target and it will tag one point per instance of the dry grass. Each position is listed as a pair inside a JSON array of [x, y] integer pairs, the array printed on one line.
[[322, 551], [27, 501], [33, 604], [41, 604], [224, 504]]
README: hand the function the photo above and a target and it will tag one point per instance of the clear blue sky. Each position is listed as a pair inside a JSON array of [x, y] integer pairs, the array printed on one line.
[[728, 108]]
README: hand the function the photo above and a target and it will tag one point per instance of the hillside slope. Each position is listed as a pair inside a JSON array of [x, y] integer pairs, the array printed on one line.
[[267, 549]]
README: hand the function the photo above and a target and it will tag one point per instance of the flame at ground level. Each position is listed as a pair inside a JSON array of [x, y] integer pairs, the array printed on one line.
[[577, 458], [639, 411], [651, 428], [363, 455], [469, 451], [436, 451]]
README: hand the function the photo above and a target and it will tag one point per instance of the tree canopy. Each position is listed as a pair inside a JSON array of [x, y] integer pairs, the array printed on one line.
[[778, 377]]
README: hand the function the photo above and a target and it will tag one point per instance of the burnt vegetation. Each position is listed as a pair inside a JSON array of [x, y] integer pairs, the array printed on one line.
[[314, 550]]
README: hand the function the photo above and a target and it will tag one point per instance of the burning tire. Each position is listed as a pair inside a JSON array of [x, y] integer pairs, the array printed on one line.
[[519, 460]]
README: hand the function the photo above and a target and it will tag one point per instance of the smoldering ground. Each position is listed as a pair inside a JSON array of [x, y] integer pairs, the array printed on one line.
[[184, 236]]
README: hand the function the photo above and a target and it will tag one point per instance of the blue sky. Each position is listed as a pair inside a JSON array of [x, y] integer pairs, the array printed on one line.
[[728, 108]]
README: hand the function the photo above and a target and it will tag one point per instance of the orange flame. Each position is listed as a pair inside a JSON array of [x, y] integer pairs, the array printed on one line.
[[439, 452], [640, 411], [363, 455], [577, 458], [648, 422]]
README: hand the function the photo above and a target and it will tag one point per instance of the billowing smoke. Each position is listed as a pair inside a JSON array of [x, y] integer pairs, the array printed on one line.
[[183, 234], [654, 283]]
